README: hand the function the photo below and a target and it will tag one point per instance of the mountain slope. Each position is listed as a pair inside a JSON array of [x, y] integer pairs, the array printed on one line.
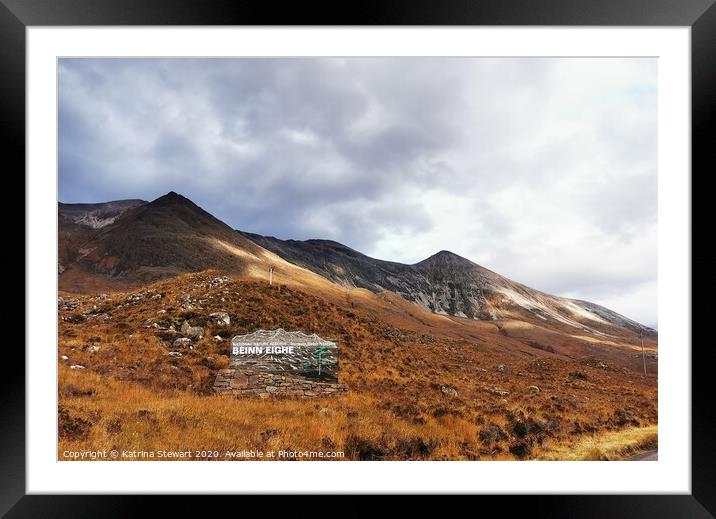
[[444, 283], [163, 238], [77, 224], [132, 242], [167, 236]]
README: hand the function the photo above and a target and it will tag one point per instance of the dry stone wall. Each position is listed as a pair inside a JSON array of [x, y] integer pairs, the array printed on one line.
[[262, 384]]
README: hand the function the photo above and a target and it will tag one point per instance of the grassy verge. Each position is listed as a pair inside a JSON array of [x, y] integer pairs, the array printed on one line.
[[616, 445]]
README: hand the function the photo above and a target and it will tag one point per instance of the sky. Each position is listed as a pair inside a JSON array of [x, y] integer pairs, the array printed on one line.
[[541, 169]]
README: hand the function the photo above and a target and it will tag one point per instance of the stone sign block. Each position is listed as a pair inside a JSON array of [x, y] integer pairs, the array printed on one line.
[[294, 354]]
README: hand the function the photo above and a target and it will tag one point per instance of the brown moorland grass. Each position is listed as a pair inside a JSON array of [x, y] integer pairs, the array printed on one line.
[[512, 401]]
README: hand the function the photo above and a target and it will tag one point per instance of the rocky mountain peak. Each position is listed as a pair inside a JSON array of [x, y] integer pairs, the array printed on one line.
[[172, 198], [447, 259]]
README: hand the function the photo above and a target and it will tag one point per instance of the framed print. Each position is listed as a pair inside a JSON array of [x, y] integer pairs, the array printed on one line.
[[443, 251]]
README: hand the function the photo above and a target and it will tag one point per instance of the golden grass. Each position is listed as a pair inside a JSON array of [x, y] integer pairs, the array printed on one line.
[[133, 396], [607, 446], [129, 417]]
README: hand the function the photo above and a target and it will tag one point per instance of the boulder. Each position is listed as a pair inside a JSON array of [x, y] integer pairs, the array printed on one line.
[[63, 304], [134, 298], [195, 332], [498, 392], [183, 342], [220, 318], [449, 390], [218, 281]]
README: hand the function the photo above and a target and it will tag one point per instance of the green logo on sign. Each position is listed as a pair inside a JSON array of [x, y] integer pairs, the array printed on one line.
[[318, 356]]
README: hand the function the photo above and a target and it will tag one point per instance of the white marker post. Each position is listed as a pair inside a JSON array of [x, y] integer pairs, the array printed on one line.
[[270, 276]]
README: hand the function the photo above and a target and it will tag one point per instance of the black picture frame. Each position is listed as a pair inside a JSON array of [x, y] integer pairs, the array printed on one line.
[[700, 15]]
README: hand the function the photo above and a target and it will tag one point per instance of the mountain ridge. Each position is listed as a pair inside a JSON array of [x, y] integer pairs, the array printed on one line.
[[444, 283], [171, 234]]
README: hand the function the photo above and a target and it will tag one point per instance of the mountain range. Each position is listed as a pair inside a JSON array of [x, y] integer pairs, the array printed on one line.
[[132, 242]]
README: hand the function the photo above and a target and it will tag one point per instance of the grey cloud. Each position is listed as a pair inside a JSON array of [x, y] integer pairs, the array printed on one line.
[[550, 162]]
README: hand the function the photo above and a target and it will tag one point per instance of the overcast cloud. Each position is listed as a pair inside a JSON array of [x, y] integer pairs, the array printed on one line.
[[543, 170]]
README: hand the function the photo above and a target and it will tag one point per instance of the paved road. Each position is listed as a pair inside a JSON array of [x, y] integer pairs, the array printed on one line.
[[645, 456]]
